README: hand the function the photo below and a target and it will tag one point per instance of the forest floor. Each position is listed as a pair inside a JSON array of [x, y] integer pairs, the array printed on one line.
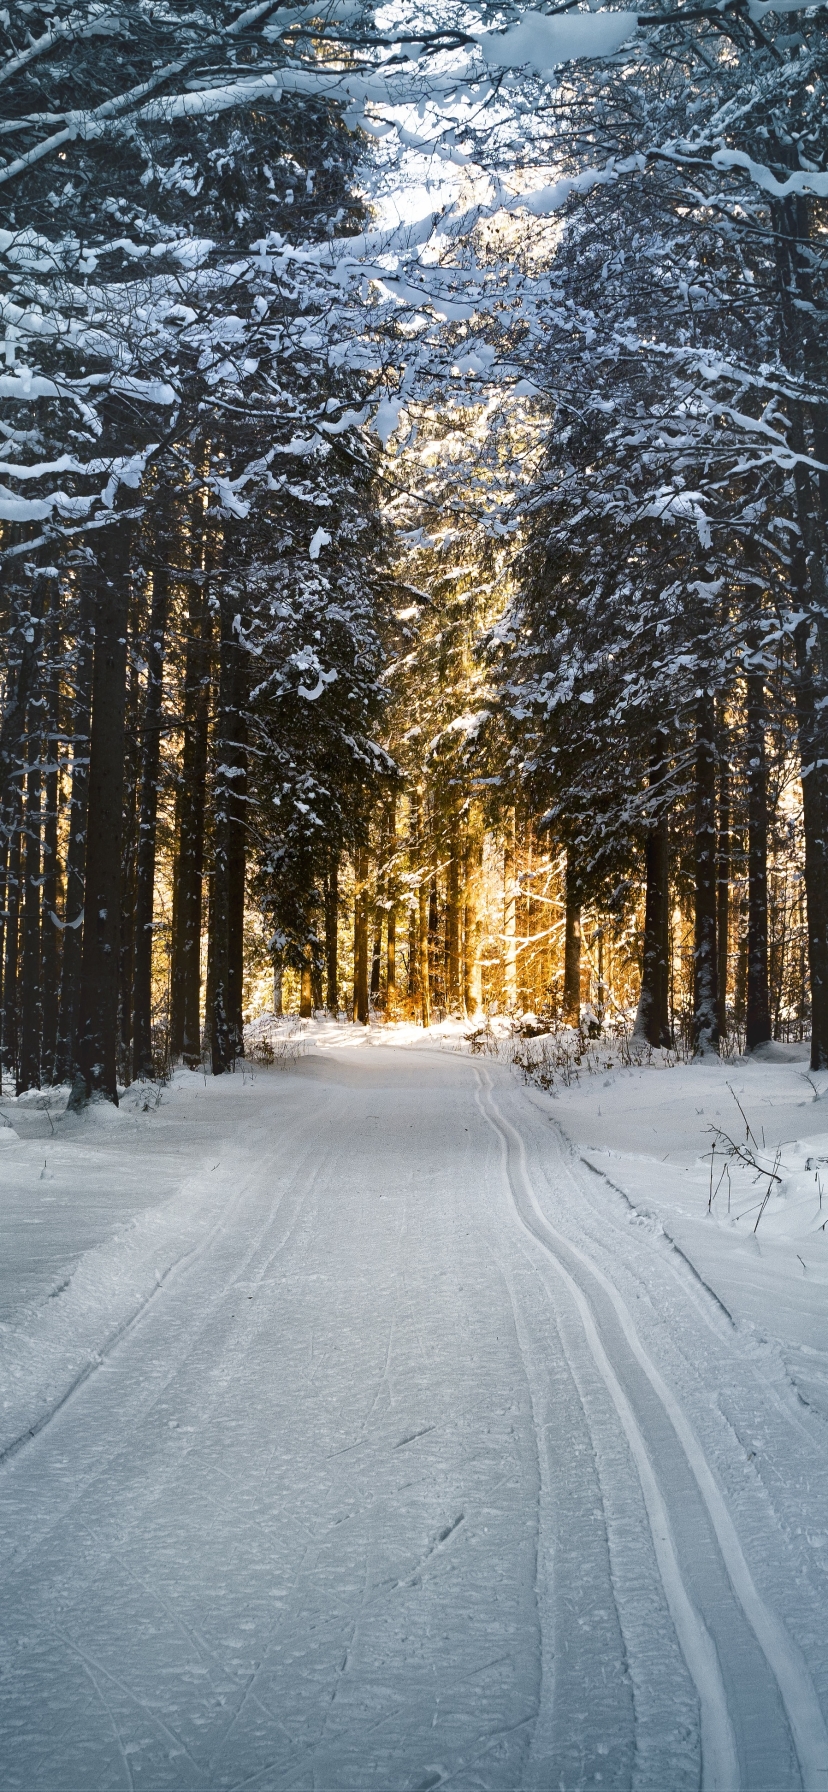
[[379, 1420]]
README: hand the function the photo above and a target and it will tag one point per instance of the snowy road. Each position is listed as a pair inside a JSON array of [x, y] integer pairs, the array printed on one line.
[[426, 1463]]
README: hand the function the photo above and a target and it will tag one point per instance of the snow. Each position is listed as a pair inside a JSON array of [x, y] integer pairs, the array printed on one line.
[[542, 43], [375, 1419]]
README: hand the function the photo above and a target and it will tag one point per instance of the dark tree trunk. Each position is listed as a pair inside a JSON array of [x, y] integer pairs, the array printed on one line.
[[129, 842], [723, 886], [391, 965], [191, 801], [361, 1006], [454, 919], [25, 650], [50, 925], [816, 845], [31, 1002], [11, 936], [4, 895], [572, 947], [435, 978], [705, 957], [413, 987], [97, 1040], [227, 887], [652, 1021], [758, 1023], [423, 966], [237, 848], [332, 937], [142, 1052], [70, 971], [237, 878]]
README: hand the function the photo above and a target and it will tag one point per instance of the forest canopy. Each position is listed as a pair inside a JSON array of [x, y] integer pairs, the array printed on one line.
[[412, 525]]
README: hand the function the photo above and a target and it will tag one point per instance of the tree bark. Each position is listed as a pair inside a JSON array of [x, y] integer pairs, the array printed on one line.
[[277, 984], [98, 1004], [473, 919], [758, 1023], [705, 957], [816, 845], [424, 968], [31, 1011], [723, 886], [652, 1021], [376, 954], [50, 932], [142, 1051], [391, 965], [361, 1005], [11, 940], [509, 913], [572, 947], [227, 886], [332, 937], [191, 803], [795, 262], [64, 1066], [454, 917]]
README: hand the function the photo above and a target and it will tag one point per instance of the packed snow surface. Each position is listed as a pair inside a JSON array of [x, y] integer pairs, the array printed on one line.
[[375, 1420]]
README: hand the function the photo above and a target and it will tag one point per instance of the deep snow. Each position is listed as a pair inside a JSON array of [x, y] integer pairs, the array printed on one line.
[[379, 1421]]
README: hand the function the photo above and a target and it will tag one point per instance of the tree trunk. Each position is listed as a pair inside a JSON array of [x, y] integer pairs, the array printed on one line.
[[129, 843], [64, 1066], [31, 1012], [142, 1052], [473, 919], [306, 988], [277, 984], [50, 927], [423, 966], [723, 886], [12, 936], [436, 977], [572, 947], [332, 937], [652, 1021], [391, 965], [222, 968], [705, 958], [758, 1025], [454, 918], [191, 803], [413, 985], [791, 220], [361, 1006], [816, 846], [509, 913], [376, 954], [98, 1005]]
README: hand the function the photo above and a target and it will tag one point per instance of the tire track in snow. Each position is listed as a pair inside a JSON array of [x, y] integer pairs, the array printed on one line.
[[720, 1757]]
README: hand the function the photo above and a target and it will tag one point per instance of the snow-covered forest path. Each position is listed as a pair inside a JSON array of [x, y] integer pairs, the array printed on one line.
[[425, 1463]]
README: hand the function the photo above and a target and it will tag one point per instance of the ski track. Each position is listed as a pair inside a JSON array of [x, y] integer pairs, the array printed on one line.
[[382, 1488], [721, 1768]]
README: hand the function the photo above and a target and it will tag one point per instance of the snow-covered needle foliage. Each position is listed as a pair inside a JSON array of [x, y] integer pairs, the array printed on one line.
[[413, 506]]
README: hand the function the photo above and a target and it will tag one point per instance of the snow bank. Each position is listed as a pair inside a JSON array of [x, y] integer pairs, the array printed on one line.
[[730, 1160], [96, 1212]]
